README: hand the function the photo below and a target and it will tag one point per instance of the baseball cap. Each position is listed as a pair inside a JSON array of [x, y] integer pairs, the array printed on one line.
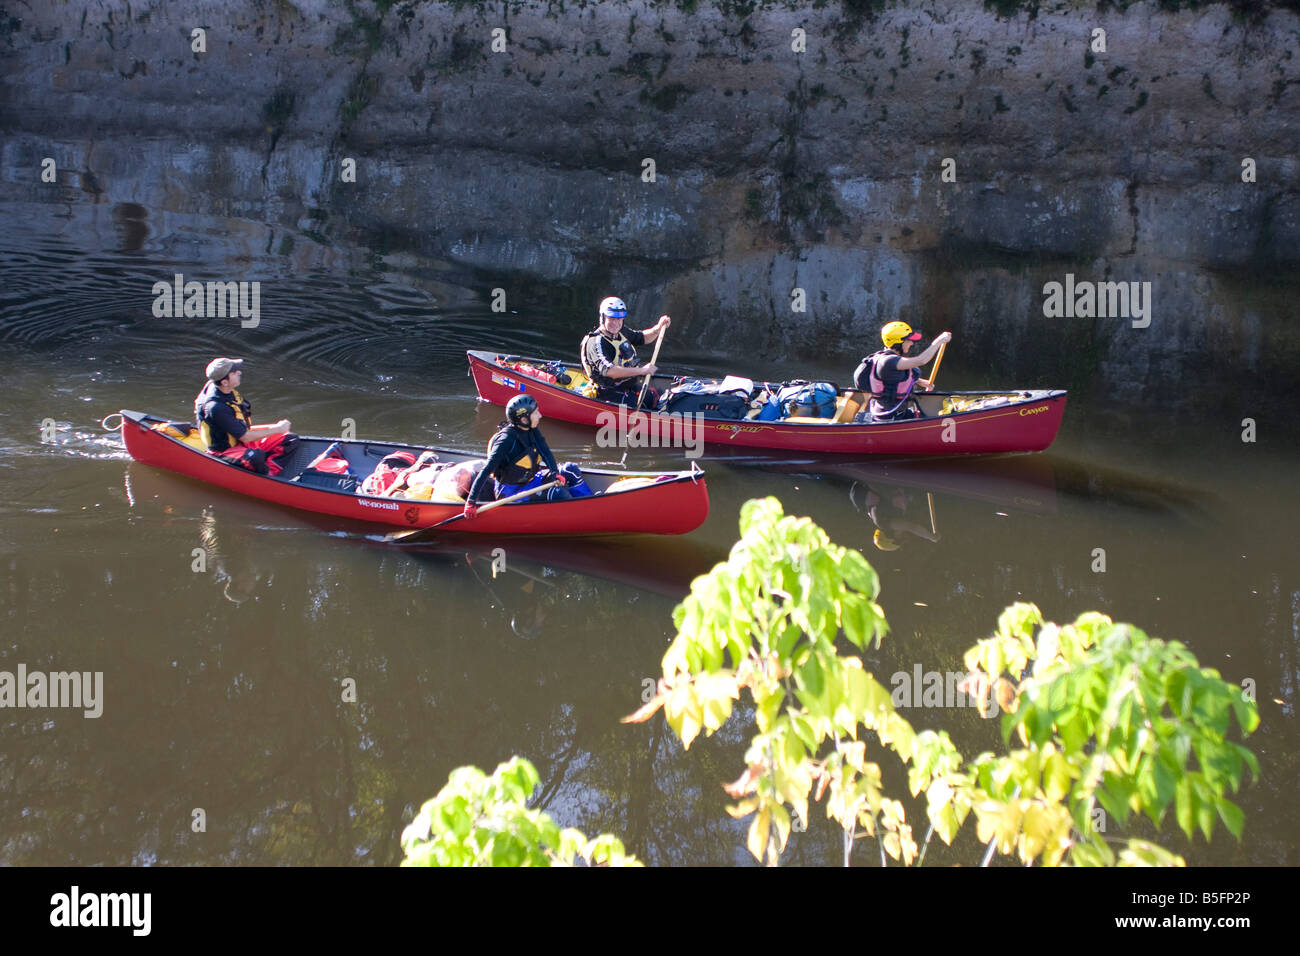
[[219, 368]]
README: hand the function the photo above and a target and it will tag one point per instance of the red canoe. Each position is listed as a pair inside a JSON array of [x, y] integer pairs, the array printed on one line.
[[675, 505], [976, 423]]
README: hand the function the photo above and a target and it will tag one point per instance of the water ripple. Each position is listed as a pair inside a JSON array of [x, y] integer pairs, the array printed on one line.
[[362, 322]]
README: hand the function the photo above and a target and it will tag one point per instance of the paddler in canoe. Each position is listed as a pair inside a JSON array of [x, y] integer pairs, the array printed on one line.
[[225, 421], [515, 458], [887, 507], [608, 354], [889, 375]]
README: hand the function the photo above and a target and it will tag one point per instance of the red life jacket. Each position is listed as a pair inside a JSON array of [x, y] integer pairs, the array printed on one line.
[[886, 393], [531, 370], [386, 472], [259, 456], [329, 471], [330, 462]]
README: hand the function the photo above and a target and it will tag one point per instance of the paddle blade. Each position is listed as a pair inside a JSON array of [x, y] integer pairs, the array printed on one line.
[[420, 534]]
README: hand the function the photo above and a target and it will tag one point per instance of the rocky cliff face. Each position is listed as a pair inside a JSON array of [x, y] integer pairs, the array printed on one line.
[[793, 148]]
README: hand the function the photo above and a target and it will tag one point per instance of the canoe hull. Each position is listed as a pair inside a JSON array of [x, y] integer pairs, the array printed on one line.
[[1030, 425], [674, 506]]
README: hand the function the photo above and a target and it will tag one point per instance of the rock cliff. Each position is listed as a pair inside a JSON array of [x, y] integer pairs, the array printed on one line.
[[793, 147]]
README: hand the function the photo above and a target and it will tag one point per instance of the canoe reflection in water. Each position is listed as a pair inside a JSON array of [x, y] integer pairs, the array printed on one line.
[[528, 598], [1024, 483], [226, 551], [664, 566], [888, 508], [540, 587]]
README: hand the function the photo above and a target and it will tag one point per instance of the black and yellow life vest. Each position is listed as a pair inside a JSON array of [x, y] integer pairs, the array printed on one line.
[[523, 459], [211, 393], [624, 356]]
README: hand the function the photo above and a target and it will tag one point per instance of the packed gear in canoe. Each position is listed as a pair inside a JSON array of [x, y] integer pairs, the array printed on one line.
[[428, 479]]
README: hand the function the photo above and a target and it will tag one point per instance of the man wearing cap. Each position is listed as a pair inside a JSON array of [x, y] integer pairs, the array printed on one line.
[[225, 420], [889, 375], [608, 356]]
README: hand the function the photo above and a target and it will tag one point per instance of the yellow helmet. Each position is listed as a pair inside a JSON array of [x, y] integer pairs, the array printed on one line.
[[895, 332], [883, 541]]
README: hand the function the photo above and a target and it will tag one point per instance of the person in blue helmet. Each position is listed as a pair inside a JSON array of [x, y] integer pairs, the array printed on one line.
[[608, 354], [518, 458]]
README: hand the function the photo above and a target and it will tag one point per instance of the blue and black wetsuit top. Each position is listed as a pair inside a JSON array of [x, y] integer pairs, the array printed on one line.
[[514, 456]]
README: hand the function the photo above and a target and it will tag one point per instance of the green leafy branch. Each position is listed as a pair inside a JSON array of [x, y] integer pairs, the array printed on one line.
[[477, 820], [1106, 715], [1109, 716]]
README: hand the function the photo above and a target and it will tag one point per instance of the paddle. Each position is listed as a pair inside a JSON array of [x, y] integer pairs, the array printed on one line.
[[653, 359], [938, 360], [420, 534]]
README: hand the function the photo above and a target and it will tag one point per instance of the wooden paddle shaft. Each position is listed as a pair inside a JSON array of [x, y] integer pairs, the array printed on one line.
[[515, 497], [938, 360], [653, 359], [407, 535]]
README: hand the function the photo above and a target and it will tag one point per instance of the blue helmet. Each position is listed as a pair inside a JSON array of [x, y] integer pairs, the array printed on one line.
[[613, 307]]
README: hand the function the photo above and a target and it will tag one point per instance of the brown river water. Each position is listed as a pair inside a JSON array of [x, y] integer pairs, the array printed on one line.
[[223, 688]]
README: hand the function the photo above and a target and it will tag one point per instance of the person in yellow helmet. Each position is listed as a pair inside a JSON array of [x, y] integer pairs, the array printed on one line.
[[887, 507], [889, 375]]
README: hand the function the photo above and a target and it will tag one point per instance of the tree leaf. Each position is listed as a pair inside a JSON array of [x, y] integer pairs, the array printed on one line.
[[858, 573], [1057, 776], [781, 820], [1185, 806], [758, 831], [1232, 817]]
